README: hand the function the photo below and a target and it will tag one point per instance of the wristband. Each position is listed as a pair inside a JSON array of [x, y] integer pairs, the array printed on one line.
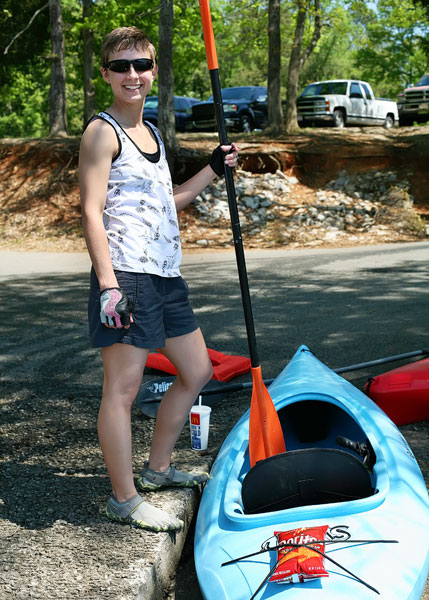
[[115, 307]]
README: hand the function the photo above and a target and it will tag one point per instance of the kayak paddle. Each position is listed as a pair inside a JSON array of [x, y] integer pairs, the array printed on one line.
[[152, 392], [265, 432]]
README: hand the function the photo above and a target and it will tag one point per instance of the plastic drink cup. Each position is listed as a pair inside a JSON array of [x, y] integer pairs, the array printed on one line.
[[199, 421]]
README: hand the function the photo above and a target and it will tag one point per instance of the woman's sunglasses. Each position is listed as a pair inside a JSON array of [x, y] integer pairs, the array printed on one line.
[[122, 65]]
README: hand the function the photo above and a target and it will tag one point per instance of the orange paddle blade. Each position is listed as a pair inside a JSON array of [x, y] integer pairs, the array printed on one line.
[[209, 41], [265, 432]]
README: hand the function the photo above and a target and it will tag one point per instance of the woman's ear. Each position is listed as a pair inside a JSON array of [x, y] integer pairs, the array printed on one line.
[[154, 72], [105, 74]]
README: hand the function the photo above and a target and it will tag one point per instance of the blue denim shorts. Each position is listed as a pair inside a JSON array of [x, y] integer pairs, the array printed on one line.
[[161, 310]]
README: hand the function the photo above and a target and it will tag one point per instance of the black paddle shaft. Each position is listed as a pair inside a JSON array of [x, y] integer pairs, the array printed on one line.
[[235, 221]]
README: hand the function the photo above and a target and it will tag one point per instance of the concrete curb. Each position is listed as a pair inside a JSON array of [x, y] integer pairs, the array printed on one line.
[[155, 580]]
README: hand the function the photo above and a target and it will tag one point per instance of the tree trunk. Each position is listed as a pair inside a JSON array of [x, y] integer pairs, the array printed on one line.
[[57, 93], [298, 59], [88, 65], [166, 118], [295, 68], [275, 111]]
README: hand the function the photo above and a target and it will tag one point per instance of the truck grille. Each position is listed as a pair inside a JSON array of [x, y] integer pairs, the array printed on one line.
[[201, 112], [316, 104], [417, 95]]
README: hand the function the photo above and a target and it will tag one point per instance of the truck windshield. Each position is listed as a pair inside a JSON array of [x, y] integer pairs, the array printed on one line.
[[237, 93], [326, 87], [423, 80], [151, 102]]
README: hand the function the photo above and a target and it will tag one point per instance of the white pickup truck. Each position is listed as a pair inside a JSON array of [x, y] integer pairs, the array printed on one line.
[[343, 102]]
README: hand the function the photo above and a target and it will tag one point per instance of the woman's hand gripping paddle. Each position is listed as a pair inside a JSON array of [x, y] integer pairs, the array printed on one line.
[[265, 432]]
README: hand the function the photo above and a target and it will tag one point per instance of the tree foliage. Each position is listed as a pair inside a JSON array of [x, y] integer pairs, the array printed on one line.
[[334, 55], [24, 70], [392, 50], [384, 42]]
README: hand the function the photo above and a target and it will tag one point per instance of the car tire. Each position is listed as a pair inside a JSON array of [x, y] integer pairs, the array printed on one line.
[[405, 121], [389, 122], [339, 118], [245, 124]]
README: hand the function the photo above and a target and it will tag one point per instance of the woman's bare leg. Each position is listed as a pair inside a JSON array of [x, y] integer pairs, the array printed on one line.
[[123, 370], [189, 355]]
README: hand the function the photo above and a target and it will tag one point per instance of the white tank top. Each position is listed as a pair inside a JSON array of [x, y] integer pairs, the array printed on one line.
[[140, 215]]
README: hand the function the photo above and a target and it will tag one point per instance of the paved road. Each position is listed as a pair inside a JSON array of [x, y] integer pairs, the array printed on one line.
[[348, 306]]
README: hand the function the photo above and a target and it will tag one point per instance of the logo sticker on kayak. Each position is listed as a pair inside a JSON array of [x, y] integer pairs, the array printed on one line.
[[338, 533], [159, 387]]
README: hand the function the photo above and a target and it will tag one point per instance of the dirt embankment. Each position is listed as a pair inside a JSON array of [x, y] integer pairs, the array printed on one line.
[[39, 196]]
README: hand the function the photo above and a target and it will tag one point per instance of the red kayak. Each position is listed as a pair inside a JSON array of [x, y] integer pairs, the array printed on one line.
[[402, 393]]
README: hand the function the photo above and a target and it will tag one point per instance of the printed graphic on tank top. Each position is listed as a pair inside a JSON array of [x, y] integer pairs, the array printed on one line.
[[140, 215]]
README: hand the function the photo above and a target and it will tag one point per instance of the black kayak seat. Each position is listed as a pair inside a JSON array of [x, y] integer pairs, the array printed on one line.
[[304, 477]]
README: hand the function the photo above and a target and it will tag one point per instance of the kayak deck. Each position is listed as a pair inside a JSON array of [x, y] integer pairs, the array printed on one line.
[[315, 406]]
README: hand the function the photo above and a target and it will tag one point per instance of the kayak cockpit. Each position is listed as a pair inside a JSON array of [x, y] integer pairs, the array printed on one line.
[[317, 424], [305, 477], [329, 461], [320, 466]]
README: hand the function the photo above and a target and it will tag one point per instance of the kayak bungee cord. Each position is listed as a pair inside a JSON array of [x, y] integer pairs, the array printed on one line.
[[309, 545], [330, 542], [276, 564]]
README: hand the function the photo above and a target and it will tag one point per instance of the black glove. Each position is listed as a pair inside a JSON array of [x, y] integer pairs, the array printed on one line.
[[217, 161], [115, 307]]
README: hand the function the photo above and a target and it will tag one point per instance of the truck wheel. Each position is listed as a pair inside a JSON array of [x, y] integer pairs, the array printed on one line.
[[389, 121], [405, 121], [339, 118], [245, 124]]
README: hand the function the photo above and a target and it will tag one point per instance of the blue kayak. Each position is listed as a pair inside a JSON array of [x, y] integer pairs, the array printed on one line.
[[347, 467]]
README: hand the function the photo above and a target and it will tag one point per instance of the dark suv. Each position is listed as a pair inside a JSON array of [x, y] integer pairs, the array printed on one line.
[[182, 110], [245, 108]]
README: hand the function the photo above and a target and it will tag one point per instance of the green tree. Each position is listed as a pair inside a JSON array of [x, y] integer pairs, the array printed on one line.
[[57, 90], [385, 43], [392, 51], [424, 4], [241, 37], [166, 119], [89, 106], [189, 62], [335, 53], [24, 69], [275, 111], [299, 56]]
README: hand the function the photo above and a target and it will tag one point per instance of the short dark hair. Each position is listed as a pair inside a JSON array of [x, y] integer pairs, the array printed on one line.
[[124, 38]]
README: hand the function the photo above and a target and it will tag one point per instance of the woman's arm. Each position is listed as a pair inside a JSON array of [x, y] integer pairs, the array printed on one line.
[[98, 146], [185, 193]]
